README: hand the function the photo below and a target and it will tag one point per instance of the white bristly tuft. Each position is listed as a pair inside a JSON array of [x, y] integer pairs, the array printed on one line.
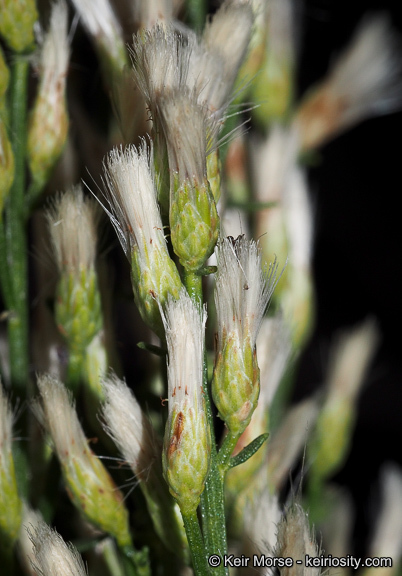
[[73, 221], [185, 127], [261, 518], [185, 325], [131, 195], [53, 555], [128, 426], [160, 58], [296, 540], [243, 288]]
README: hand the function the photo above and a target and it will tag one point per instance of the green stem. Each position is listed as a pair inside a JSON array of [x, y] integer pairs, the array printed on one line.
[[225, 453], [5, 278], [15, 229], [212, 498], [111, 558], [193, 284], [197, 548], [74, 371]]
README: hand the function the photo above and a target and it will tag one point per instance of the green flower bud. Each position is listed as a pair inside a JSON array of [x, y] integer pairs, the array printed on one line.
[[333, 432], [4, 75], [194, 223], [331, 440], [241, 297], [214, 174], [6, 165], [10, 503], [154, 276], [186, 451], [78, 308], [17, 23], [48, 122], [186, 455], [73, 223], [89, 485], [236, 383], [131, 195], [272, 89]]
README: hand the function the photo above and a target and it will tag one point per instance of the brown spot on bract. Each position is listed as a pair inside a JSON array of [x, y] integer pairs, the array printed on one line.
[[177, 433]]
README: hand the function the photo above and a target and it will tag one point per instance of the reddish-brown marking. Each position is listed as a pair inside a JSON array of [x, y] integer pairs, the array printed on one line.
[[178, 431]]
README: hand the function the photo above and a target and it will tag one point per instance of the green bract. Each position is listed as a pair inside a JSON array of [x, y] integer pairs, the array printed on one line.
[[194, 223]]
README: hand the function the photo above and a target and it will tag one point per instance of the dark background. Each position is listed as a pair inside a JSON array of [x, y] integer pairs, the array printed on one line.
[[356, 193]]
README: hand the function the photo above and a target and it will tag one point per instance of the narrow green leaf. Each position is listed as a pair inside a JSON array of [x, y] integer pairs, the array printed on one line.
[[248, 451]]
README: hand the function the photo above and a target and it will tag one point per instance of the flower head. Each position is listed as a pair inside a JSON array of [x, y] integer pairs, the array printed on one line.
[[187, 443], [10, 503], [242, 293], [133, 210], [90, 486], [364, 81], [48, 123]]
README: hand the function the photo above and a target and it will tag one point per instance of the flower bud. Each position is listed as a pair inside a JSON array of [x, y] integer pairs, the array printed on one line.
[[194, 221], [131, 195], [17, 23], [242, 293], [272, 88], [364, 81], [186, 451], [331, 439], [6, 165], [72, 224], [48, 122], [90, 486], [4, 77], [10, 503], [132, 432]]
